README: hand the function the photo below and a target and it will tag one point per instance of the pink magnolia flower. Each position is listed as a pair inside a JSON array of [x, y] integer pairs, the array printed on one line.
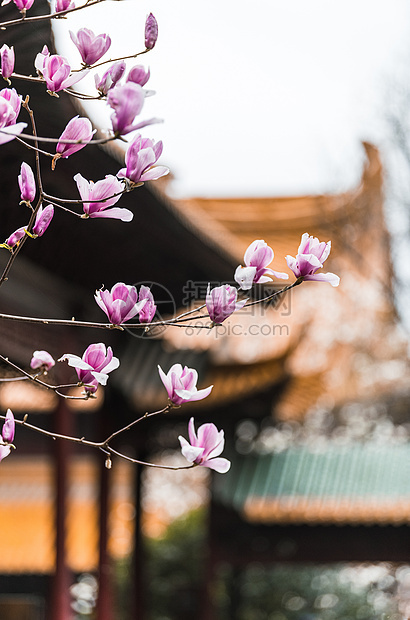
[[120, 304], [180, 384], [138, 75], [10, 103], [310, 258], [26, 183], [9, 129], [42, 359], [7, 435], [151, 31], [127, 102], [14, 99], [7, 61], [110, 77], [257, 258], [77, 129], [91, 47], [148, 311], [222, 301], [93, 367], [43, 219], [22, 5], [64, 5], [204, 449], [15, 237], [142, 153], [105, 191], [8, 427], [56, 71]]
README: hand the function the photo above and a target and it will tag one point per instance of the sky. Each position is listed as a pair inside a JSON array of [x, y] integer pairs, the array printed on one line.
[[259, 98]]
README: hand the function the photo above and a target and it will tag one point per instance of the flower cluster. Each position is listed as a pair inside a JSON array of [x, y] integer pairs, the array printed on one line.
[[125, 95]]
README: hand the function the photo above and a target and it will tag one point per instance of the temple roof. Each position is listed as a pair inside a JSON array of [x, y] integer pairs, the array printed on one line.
[[357, 483]]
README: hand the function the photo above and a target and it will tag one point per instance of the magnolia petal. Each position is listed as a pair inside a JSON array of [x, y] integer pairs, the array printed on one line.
[[112, 365], [75, 362], [188, 396], [209, 437], [135, 310], [4, 451], [150, 121], [9, 133], [73, 79], [191, 453], [125, 215], [192, 433], [280, 274], [166, 380], [244, 276], [154, 173], [101, 377], [332, 278], [220, 465]]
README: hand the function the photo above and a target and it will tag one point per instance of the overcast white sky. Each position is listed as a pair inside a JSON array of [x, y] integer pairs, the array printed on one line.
[[265, 97]]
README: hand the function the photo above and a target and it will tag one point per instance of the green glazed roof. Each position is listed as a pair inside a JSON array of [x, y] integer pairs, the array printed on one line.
[[355, 483]]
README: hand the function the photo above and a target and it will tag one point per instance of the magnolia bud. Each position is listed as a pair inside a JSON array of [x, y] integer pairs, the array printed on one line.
[[151, 32]]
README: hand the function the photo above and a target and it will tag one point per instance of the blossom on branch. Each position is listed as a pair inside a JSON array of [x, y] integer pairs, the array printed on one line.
[[310, 258], [127, 102], [43, 360], [93, 367], [140, 158], [148, 311], [7, 61], [22, 5], [221, 302], [180, 384], [10, 104], [27, 184], [151, 31], [138, 75], [78, 128], [204, 449], [64, 5], [14, 99], [7, 435], [105, 191], [120, 304], [91, 47], [43, 219], [110, 77], [14, 238], [56, 71], [257, 258]]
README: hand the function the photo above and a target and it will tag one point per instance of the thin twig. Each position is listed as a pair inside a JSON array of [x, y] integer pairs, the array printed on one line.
[[37, 18]]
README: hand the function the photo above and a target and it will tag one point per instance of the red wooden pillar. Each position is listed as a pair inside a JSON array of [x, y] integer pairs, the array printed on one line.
[[139, 598], [60, 595], [105, 598]]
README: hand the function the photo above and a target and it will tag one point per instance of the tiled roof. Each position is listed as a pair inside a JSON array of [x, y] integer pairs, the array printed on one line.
[[358, 483]]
